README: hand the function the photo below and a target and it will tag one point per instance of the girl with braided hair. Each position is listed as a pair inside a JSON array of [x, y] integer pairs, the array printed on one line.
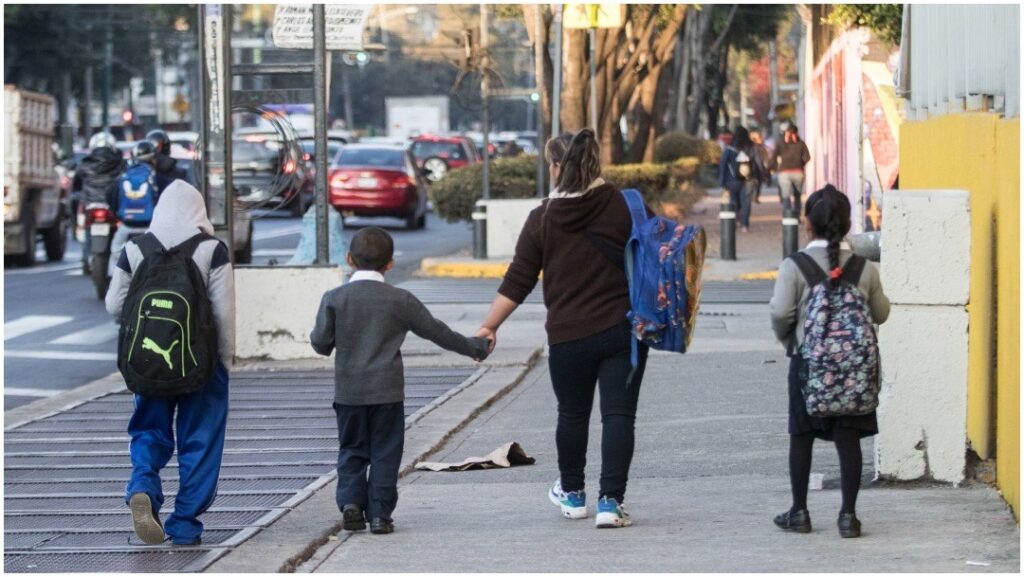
[[827, 222]]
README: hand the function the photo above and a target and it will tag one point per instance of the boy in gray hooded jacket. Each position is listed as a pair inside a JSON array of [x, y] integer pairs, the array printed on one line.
[[202, 415]]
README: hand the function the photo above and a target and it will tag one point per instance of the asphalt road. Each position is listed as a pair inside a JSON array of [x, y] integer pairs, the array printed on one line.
[[57, 335]]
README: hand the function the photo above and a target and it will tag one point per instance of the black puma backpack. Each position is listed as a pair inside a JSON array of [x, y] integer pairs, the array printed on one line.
[[168, 340]]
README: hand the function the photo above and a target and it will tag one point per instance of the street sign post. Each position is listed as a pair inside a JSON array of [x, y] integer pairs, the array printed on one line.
[[293, 26], [591, 17]]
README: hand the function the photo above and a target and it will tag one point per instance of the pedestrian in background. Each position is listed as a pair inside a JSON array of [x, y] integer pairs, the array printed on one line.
[[791, 156], [201, 415], [573, 237], [740, 172], [828, 222], [765, 159], [366, 321]]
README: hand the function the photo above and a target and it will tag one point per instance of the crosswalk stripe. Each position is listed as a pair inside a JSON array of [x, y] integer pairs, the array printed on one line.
[[96, 335], [23, 392], [32, 323], [273, 252], [60, 355]]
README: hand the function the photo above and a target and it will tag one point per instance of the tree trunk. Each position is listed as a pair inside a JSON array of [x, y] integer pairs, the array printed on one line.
[[573, 116], [699, 69], [545, 77], [684, 79]]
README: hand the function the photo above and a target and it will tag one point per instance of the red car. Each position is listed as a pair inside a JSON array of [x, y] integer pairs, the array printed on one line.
[[439, 154], [378, 180]]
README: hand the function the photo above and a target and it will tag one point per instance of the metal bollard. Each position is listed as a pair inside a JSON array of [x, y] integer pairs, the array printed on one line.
[[727, 220], [480, 231], [790, 232]]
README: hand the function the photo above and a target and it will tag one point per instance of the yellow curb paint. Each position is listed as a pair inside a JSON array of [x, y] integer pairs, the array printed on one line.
[[766, 275], [465, 269]]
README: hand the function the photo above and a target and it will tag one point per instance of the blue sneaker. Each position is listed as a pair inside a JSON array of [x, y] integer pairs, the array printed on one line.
[[610, 514], [573, 504]]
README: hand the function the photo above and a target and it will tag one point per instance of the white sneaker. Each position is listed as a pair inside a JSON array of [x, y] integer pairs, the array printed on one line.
[[611, 514], [573, 504]]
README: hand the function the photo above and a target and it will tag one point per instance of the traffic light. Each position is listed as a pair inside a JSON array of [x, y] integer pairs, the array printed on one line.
[[128, 116]]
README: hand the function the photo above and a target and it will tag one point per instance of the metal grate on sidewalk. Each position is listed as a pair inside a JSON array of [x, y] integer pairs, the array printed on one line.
[[481, 291], [64, 475]]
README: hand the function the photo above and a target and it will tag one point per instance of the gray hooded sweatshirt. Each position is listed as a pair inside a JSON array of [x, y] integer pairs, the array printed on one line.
[[180, 215]]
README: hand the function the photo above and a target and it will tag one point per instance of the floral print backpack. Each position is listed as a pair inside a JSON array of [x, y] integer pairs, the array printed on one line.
[[840, 347]]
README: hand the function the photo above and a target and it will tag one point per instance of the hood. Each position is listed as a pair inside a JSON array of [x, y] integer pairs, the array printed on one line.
[[575, 213], [179, 215], [103, 161]]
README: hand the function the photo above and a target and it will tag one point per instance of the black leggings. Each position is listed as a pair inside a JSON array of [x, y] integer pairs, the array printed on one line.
[[576, 368], [851, 463]]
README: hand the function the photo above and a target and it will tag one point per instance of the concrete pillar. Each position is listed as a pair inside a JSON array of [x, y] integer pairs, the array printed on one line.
[[925, 271]]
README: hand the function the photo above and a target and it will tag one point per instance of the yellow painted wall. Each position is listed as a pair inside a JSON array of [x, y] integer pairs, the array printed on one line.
[[958, 151], [1008, 307], [980, 153]]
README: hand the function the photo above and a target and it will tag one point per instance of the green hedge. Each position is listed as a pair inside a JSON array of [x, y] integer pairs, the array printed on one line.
[[455, 195], [672, 146]]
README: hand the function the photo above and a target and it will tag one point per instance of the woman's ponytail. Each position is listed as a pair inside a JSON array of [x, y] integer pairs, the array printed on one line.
[[828, 210], [581, 164]]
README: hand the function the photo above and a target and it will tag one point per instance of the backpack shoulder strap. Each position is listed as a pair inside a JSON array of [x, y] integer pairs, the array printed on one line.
[[808, 268], [853, 268], [635, 202], [189, 246], [606, 250], [149, 245]]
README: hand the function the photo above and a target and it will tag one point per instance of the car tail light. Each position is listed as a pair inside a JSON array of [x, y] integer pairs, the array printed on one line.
[[401, 181], [289, 166], [306, 156], [339, 180]]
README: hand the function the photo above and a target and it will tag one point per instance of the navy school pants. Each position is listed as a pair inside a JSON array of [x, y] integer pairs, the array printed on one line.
[[370, 437]]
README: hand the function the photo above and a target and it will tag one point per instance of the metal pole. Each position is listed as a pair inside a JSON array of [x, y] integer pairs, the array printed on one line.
[[346, 89], [320, 130], [790, 232], [485, 87], [538, 57], [215, 104], [556, 92], [727, 224], [87, 120], [108, 63], [480, 231], [593, 79]]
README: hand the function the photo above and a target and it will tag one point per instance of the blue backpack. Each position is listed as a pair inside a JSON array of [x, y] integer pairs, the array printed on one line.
[[137, 195], [663, 261]]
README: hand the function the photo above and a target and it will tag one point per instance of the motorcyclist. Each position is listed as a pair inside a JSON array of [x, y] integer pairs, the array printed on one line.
[[167, 170], [140, 187], [96, 177]]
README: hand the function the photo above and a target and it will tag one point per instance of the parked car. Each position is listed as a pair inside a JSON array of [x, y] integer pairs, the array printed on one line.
[[439, 154], [273, 174], [379, 180], [243, 227]]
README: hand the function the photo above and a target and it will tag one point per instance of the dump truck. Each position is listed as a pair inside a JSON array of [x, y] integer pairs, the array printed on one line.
[[34, 202]]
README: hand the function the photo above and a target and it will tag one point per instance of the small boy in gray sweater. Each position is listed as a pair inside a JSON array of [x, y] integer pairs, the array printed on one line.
[[366, 321]]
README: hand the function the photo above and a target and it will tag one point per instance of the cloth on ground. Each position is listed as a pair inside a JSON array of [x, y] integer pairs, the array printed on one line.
[[505, 456]]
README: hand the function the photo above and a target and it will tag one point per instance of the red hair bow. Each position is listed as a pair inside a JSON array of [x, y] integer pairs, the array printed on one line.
[[836, 273]]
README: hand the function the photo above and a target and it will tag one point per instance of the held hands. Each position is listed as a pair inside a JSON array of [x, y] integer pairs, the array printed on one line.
[[490, 335]]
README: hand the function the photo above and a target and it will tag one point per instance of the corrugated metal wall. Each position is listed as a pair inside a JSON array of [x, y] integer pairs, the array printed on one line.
[[960, 50]]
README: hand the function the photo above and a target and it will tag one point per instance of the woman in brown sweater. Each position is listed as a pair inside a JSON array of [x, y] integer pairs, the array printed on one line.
[[587, 297]]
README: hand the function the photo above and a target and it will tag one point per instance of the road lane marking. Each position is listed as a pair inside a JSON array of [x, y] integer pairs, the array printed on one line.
[[60, 355], [92, 336], [41, 269], [32, 323], [23, 392]]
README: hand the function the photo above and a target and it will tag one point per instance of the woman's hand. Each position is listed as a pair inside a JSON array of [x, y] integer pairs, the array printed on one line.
[[490, 335]]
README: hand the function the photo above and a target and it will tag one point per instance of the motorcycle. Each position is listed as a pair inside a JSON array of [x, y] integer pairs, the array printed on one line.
[[103, 226]]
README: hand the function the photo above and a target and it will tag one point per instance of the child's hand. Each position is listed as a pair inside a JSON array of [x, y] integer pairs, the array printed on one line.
[[490, 335]]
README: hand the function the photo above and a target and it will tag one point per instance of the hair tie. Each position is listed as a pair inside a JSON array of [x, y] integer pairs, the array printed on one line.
[[836, 273]]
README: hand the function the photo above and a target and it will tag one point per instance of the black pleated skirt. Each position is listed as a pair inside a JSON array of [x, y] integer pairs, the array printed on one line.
[[800, 422]]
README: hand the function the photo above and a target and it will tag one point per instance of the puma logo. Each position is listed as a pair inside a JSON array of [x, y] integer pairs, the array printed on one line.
[[149, 345]]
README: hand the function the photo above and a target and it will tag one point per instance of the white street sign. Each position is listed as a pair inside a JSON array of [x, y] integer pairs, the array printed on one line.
[[293, 26]]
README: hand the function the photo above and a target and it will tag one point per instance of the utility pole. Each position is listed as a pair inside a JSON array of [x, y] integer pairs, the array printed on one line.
[[485, 88], [320, 131], [346, 91], [538, 57], [87, 120], [592, 35], [556, 93], [773, 81], [108, 63]]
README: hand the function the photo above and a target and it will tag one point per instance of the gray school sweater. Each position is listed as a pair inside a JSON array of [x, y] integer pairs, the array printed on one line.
[[365, 322], [789, 302]]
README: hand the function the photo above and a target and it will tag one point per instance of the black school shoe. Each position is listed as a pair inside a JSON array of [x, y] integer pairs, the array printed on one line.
[[381, 526], [798, 521], [352, 518], [849, 525], [145, 519]]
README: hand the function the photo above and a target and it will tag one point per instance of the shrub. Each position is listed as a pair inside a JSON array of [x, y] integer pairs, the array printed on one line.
[[672, 146], [653, 180], [455, 195]]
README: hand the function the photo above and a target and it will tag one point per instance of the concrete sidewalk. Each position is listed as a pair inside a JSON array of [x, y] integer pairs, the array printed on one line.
[[709, 472]]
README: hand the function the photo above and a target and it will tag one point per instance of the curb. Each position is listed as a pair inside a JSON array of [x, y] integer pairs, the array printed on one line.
[[301, 533], [764, 275], [64, 401], [448, 268]]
